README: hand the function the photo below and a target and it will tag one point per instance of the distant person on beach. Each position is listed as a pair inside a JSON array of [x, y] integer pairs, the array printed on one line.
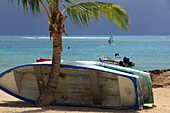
[[110, 38], [117, 57]]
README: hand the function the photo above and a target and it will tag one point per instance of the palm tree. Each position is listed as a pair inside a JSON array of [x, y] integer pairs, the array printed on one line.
[[81, 13]]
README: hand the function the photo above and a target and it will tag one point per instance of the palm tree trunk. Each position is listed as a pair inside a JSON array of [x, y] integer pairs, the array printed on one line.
[[47, 97]]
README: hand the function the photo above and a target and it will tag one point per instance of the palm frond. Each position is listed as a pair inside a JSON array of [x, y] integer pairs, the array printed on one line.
[[70, 1], [67, 1], [33, 4], [82, 13], [52, 2]]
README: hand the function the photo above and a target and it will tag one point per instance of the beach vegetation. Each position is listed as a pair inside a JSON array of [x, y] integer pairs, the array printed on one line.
[[81, 13]]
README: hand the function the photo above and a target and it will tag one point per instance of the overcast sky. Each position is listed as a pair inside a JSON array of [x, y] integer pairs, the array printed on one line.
[[148, 17]]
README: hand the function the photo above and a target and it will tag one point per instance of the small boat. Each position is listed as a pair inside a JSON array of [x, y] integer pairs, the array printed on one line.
[[42, 60], [143, 76], [125, 62], [79, 84]]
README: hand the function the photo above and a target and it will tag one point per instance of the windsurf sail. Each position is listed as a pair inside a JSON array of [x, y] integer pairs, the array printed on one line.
[[110, 38]]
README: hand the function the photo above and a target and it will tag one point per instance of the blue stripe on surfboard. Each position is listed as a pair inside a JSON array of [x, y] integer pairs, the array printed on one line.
[[96, 106], [133, 79], [9, 70], [110, 61]]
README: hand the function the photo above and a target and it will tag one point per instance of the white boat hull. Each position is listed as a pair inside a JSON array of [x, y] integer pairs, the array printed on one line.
[[144, 77], [78, 84]]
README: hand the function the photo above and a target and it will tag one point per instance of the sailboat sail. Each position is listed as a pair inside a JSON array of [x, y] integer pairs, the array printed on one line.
[[110, 38]]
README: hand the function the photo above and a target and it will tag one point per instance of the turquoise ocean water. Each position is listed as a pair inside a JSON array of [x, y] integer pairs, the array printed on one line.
[[148, 52]]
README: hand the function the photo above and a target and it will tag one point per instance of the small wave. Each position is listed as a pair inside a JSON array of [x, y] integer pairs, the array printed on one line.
[[36, 37], [103, 37], [76, 37], [92, 37], [165, 37]]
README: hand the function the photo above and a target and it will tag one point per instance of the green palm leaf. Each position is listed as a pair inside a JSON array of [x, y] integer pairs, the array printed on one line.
[[52, 2], [33, 4], [82, 13]]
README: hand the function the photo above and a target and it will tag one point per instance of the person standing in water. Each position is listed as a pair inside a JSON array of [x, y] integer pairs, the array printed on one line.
[[117, 57], [110, 38]]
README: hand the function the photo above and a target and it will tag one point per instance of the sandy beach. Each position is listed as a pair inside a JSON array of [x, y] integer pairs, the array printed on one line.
[[161, 90]]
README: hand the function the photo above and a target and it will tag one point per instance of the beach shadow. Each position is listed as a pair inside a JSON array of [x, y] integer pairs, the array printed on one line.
[[78, 109], [147, 107], [16, 104], [58, 108]]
